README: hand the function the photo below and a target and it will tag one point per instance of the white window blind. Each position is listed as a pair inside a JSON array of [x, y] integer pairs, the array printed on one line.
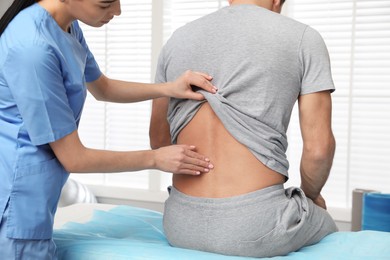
[[357, 34], [123, 51]]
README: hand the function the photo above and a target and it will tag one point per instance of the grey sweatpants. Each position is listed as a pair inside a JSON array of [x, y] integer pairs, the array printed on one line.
[[268, 222]]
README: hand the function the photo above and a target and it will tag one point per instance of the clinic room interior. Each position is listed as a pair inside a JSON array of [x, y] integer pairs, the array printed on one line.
[[357, 35]]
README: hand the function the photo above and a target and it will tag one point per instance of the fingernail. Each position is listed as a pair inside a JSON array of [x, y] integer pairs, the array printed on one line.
[[206, 170], [207, 159], [197, 173], [211, 166]]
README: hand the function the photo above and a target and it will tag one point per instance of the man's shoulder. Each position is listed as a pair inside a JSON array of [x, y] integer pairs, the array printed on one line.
[[197, 24]]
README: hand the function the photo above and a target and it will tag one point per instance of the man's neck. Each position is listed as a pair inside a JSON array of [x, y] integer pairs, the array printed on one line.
[[254, 2], [271, 5]]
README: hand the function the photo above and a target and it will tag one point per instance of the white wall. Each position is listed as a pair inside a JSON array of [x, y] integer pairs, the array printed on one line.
[[4, 4]]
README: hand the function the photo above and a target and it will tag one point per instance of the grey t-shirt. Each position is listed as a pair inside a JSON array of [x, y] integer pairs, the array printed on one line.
[[261, 62]]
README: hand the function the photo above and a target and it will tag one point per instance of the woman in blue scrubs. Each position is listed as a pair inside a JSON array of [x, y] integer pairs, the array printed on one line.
[[45, 70]]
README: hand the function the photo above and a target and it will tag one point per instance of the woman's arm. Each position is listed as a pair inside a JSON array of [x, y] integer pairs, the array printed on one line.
[[111, 90], [178, 159]]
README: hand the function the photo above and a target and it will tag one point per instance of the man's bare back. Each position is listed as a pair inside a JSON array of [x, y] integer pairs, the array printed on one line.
[[236, 170]]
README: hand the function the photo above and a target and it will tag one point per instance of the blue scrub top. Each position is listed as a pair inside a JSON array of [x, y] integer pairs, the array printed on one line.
[[43, 71]]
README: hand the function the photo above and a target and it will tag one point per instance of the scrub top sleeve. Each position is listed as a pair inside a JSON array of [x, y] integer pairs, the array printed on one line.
[[314, 56], [35, 80], [92, 70]]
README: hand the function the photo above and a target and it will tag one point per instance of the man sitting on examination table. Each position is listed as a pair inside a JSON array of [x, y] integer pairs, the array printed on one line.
[[262, 63]]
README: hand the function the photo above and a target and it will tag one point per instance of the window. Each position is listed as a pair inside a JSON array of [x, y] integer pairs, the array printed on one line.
[[357, 34], [123, 51]]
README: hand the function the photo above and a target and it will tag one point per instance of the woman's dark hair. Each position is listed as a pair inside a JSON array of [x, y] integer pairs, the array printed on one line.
[[12, 11]]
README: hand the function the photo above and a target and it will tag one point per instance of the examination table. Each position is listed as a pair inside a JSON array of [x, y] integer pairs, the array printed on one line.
[[101, 231]]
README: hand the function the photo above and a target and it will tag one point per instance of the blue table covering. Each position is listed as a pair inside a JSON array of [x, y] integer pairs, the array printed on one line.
[[126, 232]]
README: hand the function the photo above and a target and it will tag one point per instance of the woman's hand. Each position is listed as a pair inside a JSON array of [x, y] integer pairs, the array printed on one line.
[[181, 159], [182, 86]]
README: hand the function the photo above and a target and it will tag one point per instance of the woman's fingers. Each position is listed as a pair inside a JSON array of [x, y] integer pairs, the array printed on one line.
[[182, 159], [206, 76], [193, 163], [183, 85], [201, 80]]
